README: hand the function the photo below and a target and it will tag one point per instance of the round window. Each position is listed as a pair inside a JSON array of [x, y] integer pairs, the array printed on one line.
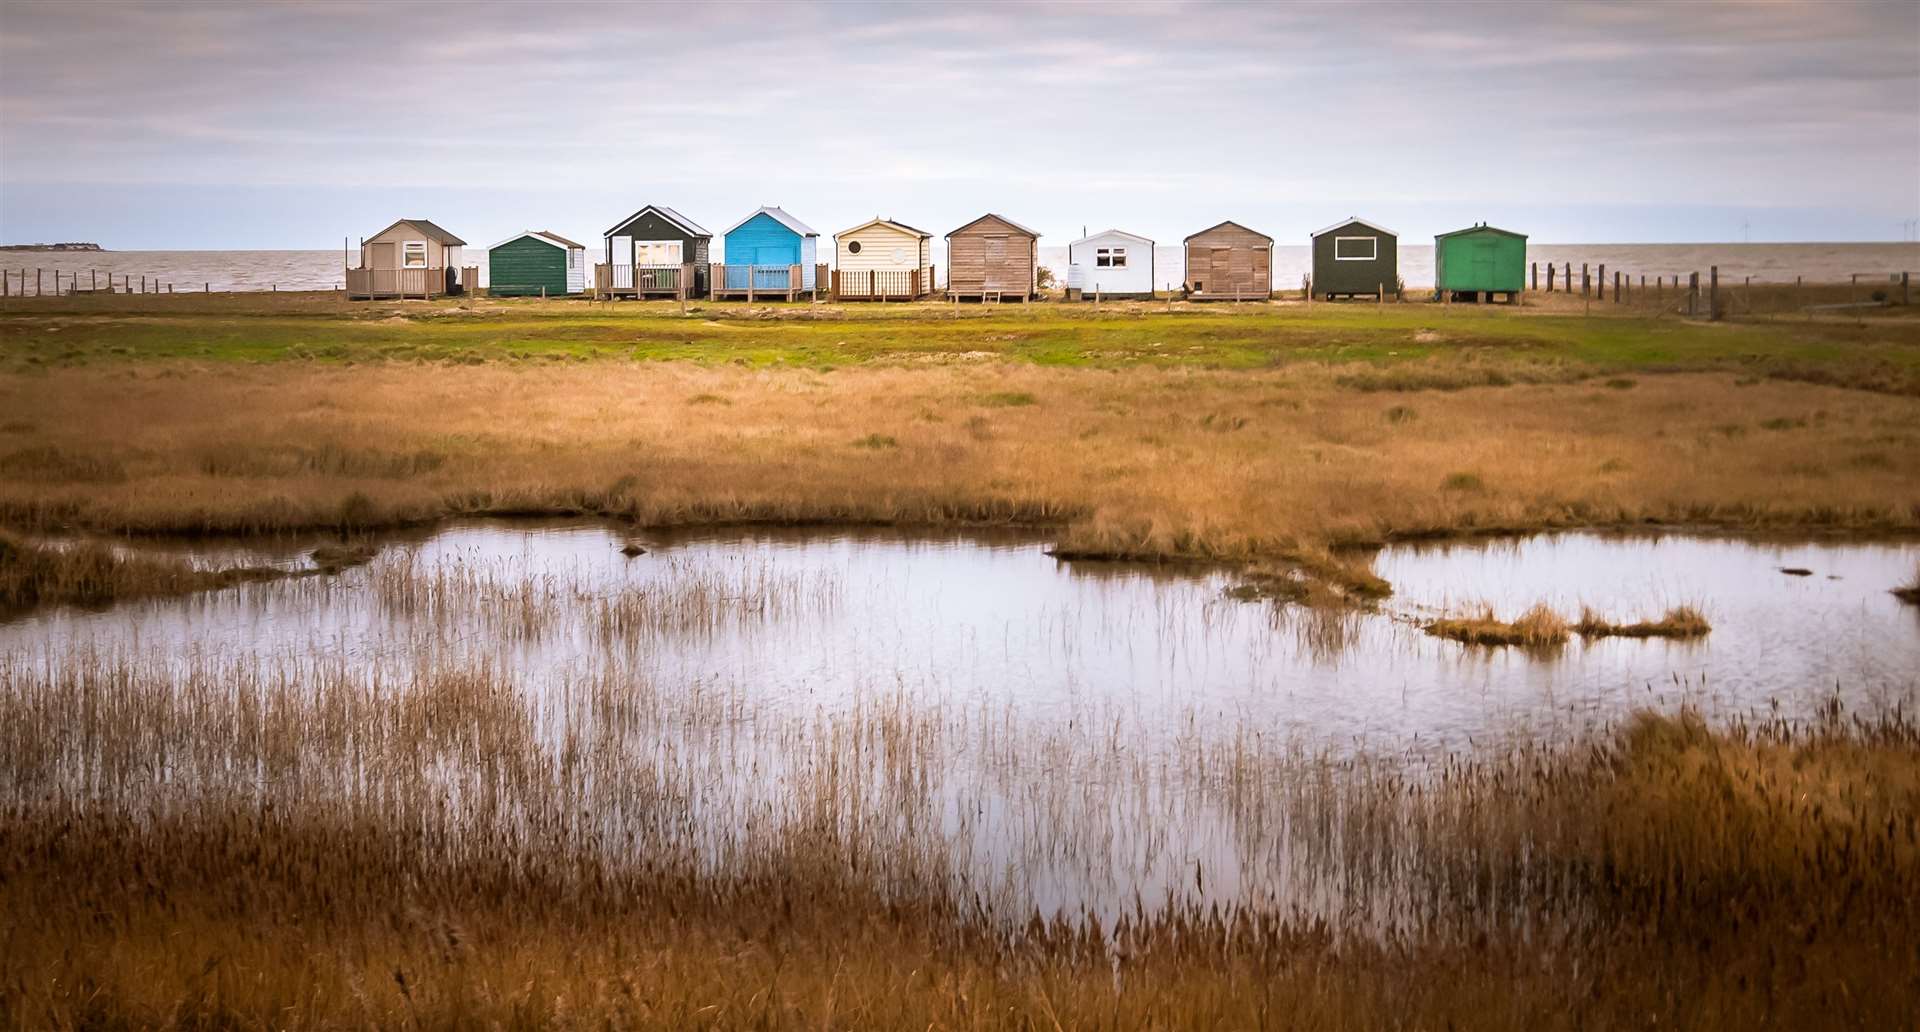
[[853, 248], [899, 256]]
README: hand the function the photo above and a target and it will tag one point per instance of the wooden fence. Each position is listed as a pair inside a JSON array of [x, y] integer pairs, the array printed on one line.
[[758, 282], [882, 284], [369, 284], [1707, 297], [677, 281]]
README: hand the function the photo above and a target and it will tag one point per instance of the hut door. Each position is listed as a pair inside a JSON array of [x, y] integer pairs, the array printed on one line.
[[620, 256], [383, 256], [1220, 269], [996, 263]]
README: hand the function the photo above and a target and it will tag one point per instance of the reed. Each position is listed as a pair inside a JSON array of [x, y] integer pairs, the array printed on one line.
[[92, 573], [1910, 591], [322, 845]]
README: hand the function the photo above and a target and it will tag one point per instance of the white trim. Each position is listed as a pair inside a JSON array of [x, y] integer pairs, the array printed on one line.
[[1374, 257], [686, 225], [426, 257], [1344, 223], [536, 234], [897, 227]]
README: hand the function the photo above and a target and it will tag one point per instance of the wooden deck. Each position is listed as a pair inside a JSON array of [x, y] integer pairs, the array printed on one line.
[[376, 284], [640, 281], [882, 284]]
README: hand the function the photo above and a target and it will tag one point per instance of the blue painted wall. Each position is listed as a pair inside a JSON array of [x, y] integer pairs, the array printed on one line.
[[762, 240]]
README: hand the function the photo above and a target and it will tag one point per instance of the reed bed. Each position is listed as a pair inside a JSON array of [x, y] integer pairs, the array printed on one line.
[[1910, 591], [1538, 627], [313, 846], [92, 573], [1678, 622]]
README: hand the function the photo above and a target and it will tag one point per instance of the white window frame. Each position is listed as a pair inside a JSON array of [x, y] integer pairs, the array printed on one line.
[[679, 250], [1373, 255], [1109, 257], [573, 260], [407, 252]]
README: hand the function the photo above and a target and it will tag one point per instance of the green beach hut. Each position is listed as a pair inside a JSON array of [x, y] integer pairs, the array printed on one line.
[[1479, 260], [536, 263]]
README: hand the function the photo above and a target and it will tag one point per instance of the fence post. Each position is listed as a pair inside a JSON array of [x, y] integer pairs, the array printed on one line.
[[1535, 268], [1713, 292], [1586, 280], [1693, 292], [1550, 269], [1602, 285], [1905, 297], [1616, 286], [833, 292]]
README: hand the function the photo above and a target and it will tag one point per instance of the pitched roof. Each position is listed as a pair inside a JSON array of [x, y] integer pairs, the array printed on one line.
[[542, 234], [1111, 232], [1003, 218], [1475, 229], [1354, 220], [687, 225], [433, 232], [778, 215], [878, 221], [1229, 222]]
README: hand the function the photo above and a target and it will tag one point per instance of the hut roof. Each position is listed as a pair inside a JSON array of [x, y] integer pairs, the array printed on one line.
[[687, 225], [542, 234], [1354, 220], [1223, 225], [432, 232], [1482, 227], [990, 215], [778, 215], [878, 221], [1113, 232]]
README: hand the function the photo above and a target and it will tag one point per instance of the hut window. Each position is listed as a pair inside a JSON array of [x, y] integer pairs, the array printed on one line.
[[1356, 249], [415, 255], [1110, 258], [573, 259], [656, 252], [854, 247]]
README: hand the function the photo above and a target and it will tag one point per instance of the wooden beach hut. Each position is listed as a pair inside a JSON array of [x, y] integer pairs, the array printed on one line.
[[536, 263], [1110, 264], [768, 254], [411, 258], [882, 260], [1478, 262], [1355, 257], [1229, 262], [654, 252], [993, 258]]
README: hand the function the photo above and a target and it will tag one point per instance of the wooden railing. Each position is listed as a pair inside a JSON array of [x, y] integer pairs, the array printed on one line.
[[882, 284], [675, 280], [758, 282], [374, 283]]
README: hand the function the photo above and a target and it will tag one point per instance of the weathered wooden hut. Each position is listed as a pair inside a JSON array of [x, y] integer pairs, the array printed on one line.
[[993, 258], [411, 258], [882, 260], [536, 263], [654, 252], [1475, 263], [768, 254], [1110, 264], [1356, 257], [1229, 262]]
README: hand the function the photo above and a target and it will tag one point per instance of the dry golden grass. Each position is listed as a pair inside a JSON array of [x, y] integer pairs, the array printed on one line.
[[320, 849], [1678, 622], [1538, 627], [1910, 591], [1138, 462]]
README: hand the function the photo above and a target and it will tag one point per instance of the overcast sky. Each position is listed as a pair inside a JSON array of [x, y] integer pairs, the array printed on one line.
[[294, 125]]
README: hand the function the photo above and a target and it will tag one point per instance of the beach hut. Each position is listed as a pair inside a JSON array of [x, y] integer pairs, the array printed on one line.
[[1110, 264], [536, 263], [654, 252], [1229, 262], [1479, 261], [411, 258], [993, 258], [768, 254], [882, 260], [1356, 257]]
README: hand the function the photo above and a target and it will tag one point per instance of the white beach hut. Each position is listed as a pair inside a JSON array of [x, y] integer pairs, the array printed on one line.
[[1110, 264]]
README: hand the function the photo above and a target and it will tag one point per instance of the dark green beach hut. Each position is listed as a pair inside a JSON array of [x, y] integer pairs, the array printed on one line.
[[1480, 260], [1356, 257], [536, 263]]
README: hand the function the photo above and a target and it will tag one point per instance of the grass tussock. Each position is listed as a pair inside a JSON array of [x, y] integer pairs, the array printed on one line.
[[91, 573], [1678, 622], [324, 848], [1538, 627], [1910, 591]]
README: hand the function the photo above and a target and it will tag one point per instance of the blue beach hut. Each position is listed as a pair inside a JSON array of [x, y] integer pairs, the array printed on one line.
[[761, 251]]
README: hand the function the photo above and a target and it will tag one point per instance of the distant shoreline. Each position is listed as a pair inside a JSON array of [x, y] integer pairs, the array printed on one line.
[[68, 246]]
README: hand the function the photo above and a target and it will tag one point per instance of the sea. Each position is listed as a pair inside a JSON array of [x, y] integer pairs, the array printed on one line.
[[322, 270]]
